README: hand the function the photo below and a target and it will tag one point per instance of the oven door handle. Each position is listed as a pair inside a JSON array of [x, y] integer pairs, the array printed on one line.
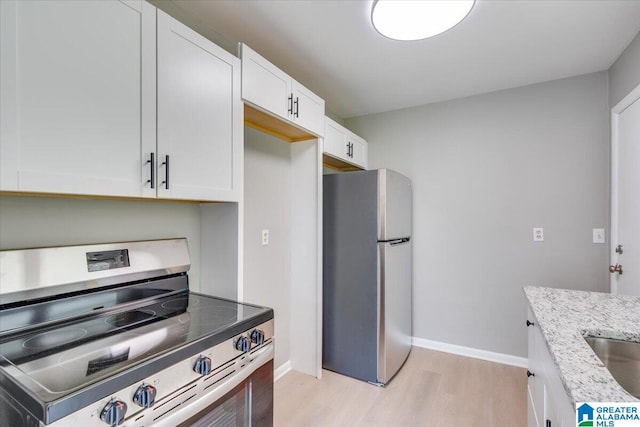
[[255, 360]]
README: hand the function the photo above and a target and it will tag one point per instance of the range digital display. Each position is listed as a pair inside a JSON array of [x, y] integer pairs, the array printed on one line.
[[107, 260]]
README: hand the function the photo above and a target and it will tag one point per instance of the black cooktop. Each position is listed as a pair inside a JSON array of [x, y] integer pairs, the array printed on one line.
[[63, 358]]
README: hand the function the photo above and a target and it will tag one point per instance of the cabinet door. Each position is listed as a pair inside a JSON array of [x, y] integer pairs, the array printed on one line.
[[343, 144], [77, 93], [532, 416], [308, 109], [335, 140], [538, 368], [358, 151], [199, 116], [535, 382], [265, 85]]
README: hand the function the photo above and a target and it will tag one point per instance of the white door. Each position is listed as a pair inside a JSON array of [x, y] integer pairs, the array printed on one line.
[[77, 84], [265, 85], [199, 116], [358, 151], [334, 140], [308, 109], [625, 206]]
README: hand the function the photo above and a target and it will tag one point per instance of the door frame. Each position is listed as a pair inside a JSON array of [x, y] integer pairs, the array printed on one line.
[[627, 101]]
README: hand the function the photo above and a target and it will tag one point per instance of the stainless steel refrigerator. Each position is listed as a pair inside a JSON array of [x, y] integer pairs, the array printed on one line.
[[366, 274]]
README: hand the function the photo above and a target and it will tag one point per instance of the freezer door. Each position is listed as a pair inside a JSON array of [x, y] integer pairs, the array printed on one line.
[[394, 205], [394, 305]]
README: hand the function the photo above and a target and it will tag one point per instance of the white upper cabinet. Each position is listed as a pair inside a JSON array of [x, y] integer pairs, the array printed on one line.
[[308, 109], [270, 89], [77, 93], [82, 111], [199, 116], [343, 149], [264, 84]]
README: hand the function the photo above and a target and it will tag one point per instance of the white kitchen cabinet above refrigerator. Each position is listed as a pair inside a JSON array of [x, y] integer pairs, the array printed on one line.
[[273, 91], [79, 97], [343, 149]]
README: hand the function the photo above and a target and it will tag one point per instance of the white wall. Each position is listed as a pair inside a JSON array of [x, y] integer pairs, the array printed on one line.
[[220, 250], [280, 188], [267, 198], [27, 222], [485, 170], [624, 74], [306, 258]]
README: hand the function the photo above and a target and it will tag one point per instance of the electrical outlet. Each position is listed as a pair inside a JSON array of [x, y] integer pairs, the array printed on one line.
[[538, 234], [599, 235], [265, 237]]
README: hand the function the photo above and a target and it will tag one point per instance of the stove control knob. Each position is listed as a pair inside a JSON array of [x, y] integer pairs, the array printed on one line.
[[145, 396], [202, 366], [257, 337], [113, 412], [243, 344]]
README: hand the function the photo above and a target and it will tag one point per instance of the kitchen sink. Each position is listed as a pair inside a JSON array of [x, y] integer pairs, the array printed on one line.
[[622, 359]]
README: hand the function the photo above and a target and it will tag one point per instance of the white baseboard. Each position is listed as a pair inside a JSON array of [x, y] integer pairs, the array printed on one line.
[[491, 356], [282, 370]]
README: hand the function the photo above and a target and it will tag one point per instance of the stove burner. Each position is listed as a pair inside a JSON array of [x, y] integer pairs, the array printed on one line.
[[214, 315], [54, 338], [130, 318], [181, 303]]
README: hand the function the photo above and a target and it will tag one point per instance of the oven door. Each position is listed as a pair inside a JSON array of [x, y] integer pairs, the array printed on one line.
[[244, 399]]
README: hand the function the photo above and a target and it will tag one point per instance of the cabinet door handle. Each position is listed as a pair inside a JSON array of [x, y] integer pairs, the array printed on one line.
[[548, 423], [530, 374], [152, 162], [297, 107], [290, 104], [166, 172], [530, 323]]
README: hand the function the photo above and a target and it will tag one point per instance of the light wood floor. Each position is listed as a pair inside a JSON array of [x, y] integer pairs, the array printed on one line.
[[433, 389]]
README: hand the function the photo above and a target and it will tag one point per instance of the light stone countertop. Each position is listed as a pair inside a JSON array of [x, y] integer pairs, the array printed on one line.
[[565, 317]]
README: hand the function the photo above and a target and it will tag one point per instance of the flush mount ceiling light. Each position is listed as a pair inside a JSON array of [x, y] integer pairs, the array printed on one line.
[[417, 19]]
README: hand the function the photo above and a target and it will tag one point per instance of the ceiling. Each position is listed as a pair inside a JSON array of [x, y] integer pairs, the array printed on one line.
[[331, 47]]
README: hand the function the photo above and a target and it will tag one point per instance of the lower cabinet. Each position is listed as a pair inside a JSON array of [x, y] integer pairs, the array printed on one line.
[[548, 404]]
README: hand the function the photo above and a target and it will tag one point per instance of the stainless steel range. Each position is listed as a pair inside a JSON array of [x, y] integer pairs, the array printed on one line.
[[110, 335]]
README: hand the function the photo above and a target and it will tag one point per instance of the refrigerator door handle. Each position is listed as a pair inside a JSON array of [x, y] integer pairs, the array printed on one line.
[[394, 242]]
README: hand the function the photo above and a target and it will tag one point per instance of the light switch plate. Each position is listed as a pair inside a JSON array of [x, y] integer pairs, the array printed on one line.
[[265, 237], [599, 235], [538, 234]]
